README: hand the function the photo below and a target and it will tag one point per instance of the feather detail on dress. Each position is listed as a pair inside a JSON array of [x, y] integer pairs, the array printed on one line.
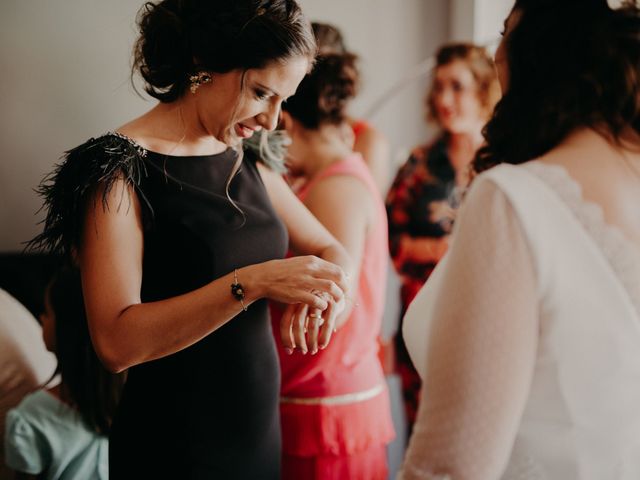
[[99, 162]]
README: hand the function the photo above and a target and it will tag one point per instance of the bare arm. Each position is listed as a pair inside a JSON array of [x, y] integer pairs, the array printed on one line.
[[307, 237], [344, 206], [127, 332], [375, 150]]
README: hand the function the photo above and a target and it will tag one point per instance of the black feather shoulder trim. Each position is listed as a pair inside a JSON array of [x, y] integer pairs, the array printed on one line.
[[99, 162]]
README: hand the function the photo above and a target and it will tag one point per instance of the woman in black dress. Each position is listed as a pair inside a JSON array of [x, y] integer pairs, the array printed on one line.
[[181, 241]]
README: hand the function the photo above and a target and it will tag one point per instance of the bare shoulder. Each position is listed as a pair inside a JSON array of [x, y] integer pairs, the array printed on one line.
[[343, 193], [371, 136]]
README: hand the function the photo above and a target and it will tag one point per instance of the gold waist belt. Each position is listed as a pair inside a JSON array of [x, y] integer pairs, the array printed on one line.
[[337, 399]]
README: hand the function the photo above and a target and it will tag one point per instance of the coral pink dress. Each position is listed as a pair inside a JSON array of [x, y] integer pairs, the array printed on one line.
[[335, 410]]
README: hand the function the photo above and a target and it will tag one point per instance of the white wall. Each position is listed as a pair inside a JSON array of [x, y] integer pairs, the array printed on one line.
[[65, 77], [478, 21], [489, 19], [391, 37]]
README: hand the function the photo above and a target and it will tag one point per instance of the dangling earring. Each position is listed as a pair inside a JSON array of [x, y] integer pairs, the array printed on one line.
[[198, 79]]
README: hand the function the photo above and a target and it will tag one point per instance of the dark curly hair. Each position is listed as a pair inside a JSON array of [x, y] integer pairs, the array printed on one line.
[[181, 37], [323, 94], [329, 38], [86, 383], [571, 64]]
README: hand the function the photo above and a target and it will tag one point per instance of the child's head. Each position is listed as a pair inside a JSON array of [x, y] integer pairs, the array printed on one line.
[[86, 384]]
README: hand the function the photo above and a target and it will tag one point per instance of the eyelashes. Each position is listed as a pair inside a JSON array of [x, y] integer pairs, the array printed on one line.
[[260, 94]]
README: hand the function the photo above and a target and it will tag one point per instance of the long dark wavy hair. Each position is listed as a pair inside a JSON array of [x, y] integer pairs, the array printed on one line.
[[86, 384], [571, 64]]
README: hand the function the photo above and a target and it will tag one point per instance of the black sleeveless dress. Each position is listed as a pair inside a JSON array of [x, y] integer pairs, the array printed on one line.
[[209, 411]]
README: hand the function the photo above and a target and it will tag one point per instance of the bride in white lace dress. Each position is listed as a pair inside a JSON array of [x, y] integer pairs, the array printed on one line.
[[527, 335]]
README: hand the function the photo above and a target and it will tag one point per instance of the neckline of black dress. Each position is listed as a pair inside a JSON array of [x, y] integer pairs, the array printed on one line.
[[229, 152]]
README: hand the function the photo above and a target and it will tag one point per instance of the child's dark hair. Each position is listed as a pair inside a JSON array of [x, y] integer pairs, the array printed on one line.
[[323, 94], [86, 383]]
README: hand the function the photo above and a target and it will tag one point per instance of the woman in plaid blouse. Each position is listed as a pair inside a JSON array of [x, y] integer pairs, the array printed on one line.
[[425, 194]]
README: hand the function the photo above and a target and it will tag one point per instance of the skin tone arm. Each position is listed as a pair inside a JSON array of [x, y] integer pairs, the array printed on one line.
[[127, 332], [375, 150], [345, 207], [307, 236]]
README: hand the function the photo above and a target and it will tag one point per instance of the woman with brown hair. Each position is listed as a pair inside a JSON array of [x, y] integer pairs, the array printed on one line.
[[336, 417], [180, 242], [363, 137], [426, 192], [527, 334]]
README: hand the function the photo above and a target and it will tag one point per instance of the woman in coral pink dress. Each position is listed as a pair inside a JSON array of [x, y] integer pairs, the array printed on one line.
[[335, 411]]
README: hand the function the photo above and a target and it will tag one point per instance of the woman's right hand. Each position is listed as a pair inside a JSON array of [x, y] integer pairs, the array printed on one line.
[[305, 279], [314, 290]]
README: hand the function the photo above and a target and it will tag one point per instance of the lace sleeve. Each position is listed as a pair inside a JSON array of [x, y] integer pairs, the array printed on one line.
[[482, 312]]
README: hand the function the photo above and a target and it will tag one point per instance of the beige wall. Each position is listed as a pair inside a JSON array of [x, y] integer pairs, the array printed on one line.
[[65, 77], [391, 37], [479, 21]]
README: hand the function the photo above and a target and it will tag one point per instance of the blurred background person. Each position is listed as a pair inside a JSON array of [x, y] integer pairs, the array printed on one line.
[[426, 192], [61, 432], [25, 363], [335, 411], [526, 334], [365, 138]]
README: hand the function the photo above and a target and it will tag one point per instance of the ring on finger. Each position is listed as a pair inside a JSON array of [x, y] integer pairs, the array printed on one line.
[[318, 319]]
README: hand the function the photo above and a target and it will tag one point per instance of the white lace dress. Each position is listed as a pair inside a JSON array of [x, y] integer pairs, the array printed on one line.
[[528, 337]]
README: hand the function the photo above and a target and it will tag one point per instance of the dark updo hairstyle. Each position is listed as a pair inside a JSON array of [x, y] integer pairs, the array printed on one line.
[[571, 63], [323, 94], [328, 38], [181, 37], [86, 383], [481, 66]]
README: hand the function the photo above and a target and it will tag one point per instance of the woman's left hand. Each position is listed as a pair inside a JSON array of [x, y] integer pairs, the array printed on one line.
[[309, 329]]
